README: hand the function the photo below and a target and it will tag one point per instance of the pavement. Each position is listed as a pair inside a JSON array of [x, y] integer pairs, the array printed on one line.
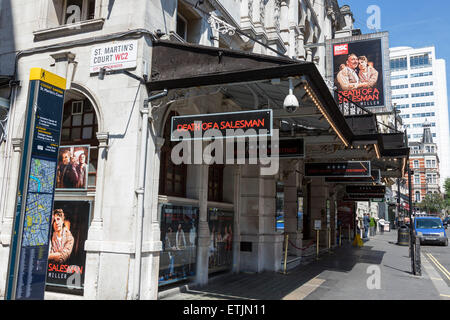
[[380, 270]]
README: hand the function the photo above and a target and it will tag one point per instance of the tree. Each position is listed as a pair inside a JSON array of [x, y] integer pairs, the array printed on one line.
[[432, 203], [447, 193]]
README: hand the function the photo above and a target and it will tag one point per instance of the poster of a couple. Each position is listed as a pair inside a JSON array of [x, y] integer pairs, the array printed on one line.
[[358, 73]]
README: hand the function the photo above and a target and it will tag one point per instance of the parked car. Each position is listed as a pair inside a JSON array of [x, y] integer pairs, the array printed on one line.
[[446, 222], [430, 229]]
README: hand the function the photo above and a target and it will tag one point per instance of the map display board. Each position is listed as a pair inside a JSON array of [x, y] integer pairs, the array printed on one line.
[[33, 214]]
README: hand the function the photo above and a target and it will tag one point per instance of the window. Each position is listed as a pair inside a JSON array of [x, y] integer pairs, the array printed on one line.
[[417, 196], [172, 177], [422, 94], [215, 183], [182, 27], [423, 105], [428, 149], [78, 10], [404, 116], [400, 86], [422, 84], [431, 178], [420, 61], [399, 64], [402, 76], [421, 74], [79, 127], [416, 163], [400, 96], [416, 179], [420, 125], [428, 164], [423, 115], [402, 106]]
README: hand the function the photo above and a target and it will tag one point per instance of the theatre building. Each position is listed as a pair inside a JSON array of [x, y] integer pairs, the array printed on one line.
[[134, 219]]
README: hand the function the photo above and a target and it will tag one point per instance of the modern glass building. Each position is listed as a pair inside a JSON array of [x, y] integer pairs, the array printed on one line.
[[419, 91]]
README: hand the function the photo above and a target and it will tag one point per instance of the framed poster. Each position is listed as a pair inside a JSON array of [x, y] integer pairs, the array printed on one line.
[[179, 225], [72, 170], [220, 253], [300, 211], [69, 231], [358, 66]]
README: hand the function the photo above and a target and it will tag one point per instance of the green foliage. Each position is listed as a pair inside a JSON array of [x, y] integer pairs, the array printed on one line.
[[432, 203], [447, 193]]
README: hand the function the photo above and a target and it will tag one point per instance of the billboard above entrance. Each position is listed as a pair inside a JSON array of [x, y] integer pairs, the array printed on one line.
[[338, 169], [359, 70]]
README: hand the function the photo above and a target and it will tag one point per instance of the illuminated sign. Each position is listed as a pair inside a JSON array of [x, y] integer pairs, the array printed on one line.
[[366, 190], [338, 169], [226, 125], [374, 178]]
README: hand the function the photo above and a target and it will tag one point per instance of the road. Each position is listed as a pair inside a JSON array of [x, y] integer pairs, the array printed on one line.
[[437, 257]]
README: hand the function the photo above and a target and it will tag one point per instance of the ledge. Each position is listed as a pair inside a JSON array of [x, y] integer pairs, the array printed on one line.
[[69, 29]]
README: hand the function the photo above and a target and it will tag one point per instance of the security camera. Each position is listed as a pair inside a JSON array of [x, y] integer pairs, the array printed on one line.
[[290, 103]]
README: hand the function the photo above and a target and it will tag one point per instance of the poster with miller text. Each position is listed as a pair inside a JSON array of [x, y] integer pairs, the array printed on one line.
[[358, 73], [67, 257]]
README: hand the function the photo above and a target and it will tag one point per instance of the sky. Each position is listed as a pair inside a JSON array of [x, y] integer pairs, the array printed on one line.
[[411, 23]]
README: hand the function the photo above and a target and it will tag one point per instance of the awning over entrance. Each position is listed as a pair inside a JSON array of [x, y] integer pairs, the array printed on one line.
[[250, 81]]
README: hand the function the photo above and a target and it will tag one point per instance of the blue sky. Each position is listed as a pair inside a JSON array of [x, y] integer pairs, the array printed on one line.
[[411, 23]]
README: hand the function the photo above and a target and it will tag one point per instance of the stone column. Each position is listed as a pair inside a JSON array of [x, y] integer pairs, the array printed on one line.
[[263, 246], [95, 233], [333, 224], [7, 205], [152, 244], [284, 24], [319, 194], [290, 213], [237, 213], [203, 227]]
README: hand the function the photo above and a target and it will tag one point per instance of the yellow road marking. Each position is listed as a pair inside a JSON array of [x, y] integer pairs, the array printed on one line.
[[440, 266], [305, 290]]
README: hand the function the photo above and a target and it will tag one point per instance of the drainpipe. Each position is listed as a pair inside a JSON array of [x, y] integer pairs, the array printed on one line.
[[140, 194]]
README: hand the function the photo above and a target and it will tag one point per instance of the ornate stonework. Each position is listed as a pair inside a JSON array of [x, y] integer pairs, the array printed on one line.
[[277, 13]]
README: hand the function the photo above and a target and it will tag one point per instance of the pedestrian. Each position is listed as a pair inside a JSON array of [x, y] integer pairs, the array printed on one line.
[[372, 226], [366, 221]]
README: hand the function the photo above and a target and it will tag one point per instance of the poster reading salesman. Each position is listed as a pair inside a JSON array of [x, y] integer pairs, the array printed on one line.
[[66, 260], [358, 73]]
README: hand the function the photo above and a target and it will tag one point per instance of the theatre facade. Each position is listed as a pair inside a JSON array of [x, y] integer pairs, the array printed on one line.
[[143, 212]]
